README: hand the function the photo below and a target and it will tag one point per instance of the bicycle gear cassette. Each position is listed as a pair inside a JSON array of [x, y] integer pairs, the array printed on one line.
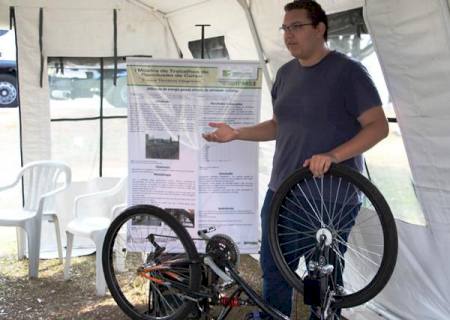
[[223, 249]]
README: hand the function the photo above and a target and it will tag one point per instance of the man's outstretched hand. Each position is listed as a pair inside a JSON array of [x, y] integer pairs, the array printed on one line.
[[223, 133]]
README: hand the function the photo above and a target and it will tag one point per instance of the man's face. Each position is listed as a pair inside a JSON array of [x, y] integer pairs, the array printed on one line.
[[301, 38]]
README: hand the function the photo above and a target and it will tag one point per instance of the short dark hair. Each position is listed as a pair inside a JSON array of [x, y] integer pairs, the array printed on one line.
[[315, 12]]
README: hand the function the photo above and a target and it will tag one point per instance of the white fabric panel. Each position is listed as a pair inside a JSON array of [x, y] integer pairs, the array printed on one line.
[[412, 40], [268, 16], [79, 4], [183, 26], [89, 33], [4, 16], [330, 6], [169, 6], [419, 88], [416, 289], [333, 6], [78, 33], [233, 25], [34, 100], [364, 313], [140, 32]]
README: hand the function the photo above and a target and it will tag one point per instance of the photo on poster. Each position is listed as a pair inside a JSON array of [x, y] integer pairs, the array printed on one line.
[[144, 220], [164, 146], [143, 238], [185, 216]]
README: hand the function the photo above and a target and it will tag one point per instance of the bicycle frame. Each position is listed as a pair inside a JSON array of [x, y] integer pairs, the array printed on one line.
[[205, 297], [319, 269], [179, 283]]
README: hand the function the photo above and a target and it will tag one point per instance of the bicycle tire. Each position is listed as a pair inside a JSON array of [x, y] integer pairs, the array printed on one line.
[[181, 307], [383, 212]]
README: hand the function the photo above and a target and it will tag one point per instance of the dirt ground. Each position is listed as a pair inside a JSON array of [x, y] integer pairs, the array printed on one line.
[[50, 297]]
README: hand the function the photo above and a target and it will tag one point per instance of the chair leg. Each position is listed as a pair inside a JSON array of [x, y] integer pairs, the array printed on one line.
[[21, 243], [58, 238], [34, 246], [100, 283], [69, 237], [120, 252]]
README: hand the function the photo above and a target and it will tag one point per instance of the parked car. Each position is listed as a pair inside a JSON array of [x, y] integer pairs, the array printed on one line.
[[73, 83], [8, 84], [8, 70], [85, 83]]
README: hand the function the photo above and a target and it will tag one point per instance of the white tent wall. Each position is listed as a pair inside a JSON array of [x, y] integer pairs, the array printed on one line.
[[412, 41], [233, 25], [268, 16], [418, 288], [34, 101], [89, 33], [85, 29], [78, 33], [82, 31], [4, 16]]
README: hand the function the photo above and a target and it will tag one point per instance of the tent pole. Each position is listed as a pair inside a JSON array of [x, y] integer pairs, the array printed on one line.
[[41, 23], [115, 46], [203, 38], [257, 42], [180, 53]]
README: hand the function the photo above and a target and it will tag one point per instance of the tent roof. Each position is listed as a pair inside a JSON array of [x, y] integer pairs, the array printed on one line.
[[162, 6]]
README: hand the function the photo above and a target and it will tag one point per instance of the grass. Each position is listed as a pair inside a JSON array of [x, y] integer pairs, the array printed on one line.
[[50, 297]]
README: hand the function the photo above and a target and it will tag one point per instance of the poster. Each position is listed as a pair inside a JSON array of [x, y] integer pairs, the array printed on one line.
[[203, 184]]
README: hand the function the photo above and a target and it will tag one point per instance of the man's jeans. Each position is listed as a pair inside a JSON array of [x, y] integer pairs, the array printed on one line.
[[276, 291]]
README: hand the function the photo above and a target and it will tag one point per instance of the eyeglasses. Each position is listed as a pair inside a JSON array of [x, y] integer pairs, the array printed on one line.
[[294, 27]]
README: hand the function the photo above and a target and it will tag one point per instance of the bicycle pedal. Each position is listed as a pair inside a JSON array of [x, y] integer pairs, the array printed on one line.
[[311, 294]]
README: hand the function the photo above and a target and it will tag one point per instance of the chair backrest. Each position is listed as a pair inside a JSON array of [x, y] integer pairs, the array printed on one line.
[[122, 188], [118, 196], [99, 203], [41, 177]]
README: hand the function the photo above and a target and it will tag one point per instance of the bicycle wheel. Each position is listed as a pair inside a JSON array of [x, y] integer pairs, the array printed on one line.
[[150, 264], [348, 211]]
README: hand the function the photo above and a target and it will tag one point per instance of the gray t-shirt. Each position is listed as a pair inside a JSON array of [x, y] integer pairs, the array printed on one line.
[[316, 109]]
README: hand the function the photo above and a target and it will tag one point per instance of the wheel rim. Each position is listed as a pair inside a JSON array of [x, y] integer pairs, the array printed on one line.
[[139, 277], [358, 266], [8, 92]]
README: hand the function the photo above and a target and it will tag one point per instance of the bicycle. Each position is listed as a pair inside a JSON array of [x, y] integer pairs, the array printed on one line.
[[165, 277]]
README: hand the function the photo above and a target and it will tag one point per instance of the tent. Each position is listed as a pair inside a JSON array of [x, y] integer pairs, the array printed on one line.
[[411, 39]]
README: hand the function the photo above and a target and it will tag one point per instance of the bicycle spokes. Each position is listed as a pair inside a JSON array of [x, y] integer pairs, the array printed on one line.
[[336, 226], [160, 268]]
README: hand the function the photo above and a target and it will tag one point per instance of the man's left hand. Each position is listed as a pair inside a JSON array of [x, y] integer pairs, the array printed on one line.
[[320, 163]]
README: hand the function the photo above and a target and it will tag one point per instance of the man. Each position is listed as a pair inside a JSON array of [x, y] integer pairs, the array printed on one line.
[[326, 110]]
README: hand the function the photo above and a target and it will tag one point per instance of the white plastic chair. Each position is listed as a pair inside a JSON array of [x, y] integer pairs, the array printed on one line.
[[41, 181], [93, 214]]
